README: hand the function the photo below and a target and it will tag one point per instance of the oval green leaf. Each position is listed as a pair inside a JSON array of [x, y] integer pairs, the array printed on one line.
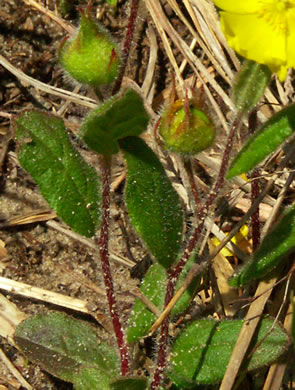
[[154, 288], [153, 205], [141, 318], [121, 116], [276, 245], [70, 186], [265, 141], [68, 349], [202, 351]]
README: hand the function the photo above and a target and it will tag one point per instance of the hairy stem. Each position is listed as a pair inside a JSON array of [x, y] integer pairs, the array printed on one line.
[[190, 173], [255, 219], [202, 213], [127, 44], [174, 274], [161, 358], [255, 188], [105, 264]]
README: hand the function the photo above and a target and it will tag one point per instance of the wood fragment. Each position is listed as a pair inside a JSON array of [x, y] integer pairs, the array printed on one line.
[[252, 319], [14, 371]]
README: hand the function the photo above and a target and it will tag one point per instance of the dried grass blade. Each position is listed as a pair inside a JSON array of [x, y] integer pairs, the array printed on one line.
[[81, 100]]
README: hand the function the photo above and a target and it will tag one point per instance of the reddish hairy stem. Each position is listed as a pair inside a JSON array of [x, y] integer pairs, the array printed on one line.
[[163, 340], [161, 360], [255, 219], [211, 198], [255, 188], [190, 173], [174, 274], [127, 44], [104, 230], [105, 264]]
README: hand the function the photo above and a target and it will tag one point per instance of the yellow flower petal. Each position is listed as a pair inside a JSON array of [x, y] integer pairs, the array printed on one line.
[[238, 239], [281, 71], [238, 6], [291, 38], [255, 39]]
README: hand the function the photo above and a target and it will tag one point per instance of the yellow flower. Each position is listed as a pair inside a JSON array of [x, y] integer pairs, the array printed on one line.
[[240, 240], [261, 30]]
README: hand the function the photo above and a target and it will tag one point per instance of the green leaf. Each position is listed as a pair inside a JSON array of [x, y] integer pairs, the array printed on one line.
[[154, 287], [141, 318], [68, 349], [276, 245], [265, 141], [153, 204], [202, 351], [130, 384], [121, 116], [70, 186], [90, 378], [112, 3], [249, 86]]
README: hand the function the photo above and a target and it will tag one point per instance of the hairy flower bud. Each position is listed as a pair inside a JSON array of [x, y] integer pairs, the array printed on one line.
[[185, 128], [91, 56]]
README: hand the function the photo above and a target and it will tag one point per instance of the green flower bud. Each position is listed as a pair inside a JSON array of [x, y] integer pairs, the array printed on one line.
[[185, 128], [91, 56]]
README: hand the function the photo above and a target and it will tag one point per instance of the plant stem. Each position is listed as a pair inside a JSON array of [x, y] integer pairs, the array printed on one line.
[[190, 173], [174, 274], [103, 242], [127, 44], [104, 230], [255, 219], [255, 188], [201, 215], [161, 358]]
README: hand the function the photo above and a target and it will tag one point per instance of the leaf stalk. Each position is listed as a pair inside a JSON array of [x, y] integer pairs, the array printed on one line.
[[103, 242]]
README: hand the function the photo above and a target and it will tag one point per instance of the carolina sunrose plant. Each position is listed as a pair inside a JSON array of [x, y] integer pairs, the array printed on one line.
[[261, 30]]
